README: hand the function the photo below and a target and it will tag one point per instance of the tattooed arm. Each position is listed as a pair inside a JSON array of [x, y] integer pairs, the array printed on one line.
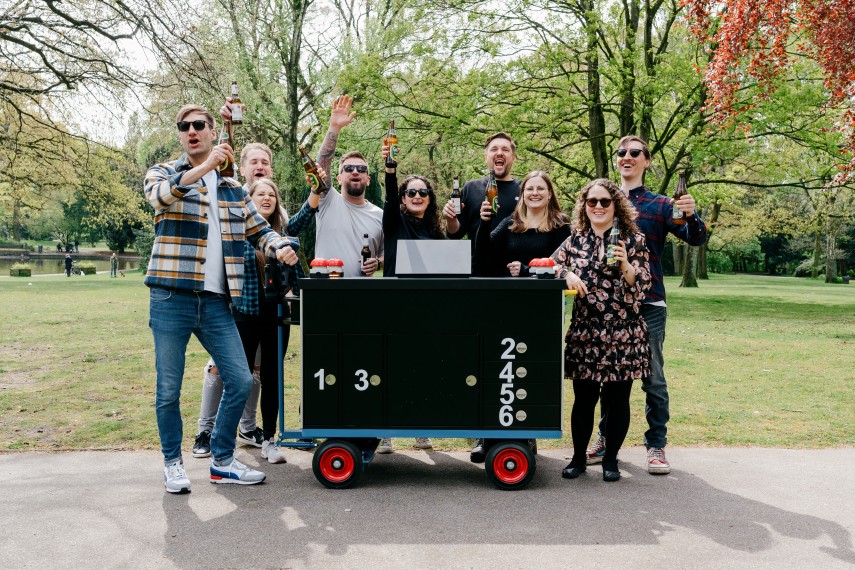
[[340, 118]]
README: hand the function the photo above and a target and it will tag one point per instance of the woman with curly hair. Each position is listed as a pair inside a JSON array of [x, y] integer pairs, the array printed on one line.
[[607, 341], [535, 229]]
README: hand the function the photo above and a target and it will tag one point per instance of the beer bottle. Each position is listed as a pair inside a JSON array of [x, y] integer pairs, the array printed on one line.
[[678, 216], [455, 195], [313, 179], [366, 251], [236, 105], [227, 168], [391, 141], [493, 192], [613, 241]]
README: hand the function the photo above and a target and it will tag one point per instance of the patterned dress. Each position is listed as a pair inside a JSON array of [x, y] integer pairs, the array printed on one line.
[[607, 340]]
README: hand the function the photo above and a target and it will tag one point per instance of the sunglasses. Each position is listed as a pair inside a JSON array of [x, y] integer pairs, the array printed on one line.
[[604, 202], [633, 152], [411, 193], [184, 126], [360, 168]]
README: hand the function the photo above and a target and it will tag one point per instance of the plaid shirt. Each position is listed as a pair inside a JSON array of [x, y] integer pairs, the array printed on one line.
[[181, 229], [655, 221]]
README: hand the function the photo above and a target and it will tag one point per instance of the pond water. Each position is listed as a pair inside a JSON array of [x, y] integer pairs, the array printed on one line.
[[42, 266]]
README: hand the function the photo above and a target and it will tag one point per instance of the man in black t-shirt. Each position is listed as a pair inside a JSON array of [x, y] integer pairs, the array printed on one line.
[[500, 152]]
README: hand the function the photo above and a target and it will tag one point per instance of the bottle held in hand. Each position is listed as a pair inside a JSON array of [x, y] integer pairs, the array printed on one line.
[[678, 216], [455, 195], [236, 105], [366, 251], [313, 178], [391, 141], [614, 236], [493, 192], [227, 168]]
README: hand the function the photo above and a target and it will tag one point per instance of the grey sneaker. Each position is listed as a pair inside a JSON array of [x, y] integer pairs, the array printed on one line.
[[175, 478], [597, 450], [385, 446], [254, 438], [271, 452], [202, 447], [235, 472], [423, 443]]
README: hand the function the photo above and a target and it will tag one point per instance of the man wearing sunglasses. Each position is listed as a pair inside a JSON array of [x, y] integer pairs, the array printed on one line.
[[196, 269], [344, 217], [655, 221]]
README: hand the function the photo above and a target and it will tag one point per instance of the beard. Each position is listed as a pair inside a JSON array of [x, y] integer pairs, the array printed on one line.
[[355, 188]]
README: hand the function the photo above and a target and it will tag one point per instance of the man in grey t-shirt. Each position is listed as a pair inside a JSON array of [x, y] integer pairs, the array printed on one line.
[[345, 217]]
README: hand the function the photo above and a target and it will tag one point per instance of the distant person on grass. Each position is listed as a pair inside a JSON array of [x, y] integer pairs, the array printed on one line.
[[114, 265], [196, 270], [655, 221], [68, 264]]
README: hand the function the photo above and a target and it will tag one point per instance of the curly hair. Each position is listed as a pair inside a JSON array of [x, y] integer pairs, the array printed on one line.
[[554, 217], [278, 219], [624, 210], [431, 217]]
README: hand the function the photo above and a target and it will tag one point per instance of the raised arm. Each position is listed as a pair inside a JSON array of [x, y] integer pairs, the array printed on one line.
[[341, 117]]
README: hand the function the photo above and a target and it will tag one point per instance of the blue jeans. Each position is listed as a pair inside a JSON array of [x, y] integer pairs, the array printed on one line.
[[654, 386], [174, 315]]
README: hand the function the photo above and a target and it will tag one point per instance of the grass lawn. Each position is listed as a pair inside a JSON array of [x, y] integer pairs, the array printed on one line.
[[749, 360]]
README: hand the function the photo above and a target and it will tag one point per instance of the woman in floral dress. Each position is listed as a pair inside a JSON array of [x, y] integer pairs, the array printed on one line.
[[607, 342]]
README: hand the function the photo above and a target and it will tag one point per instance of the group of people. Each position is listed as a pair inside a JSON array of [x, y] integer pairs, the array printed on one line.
[[212, 236]]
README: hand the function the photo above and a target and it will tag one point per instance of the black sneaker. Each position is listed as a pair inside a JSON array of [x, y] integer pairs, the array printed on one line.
[[478, 453], [253, 438], [202, 447]]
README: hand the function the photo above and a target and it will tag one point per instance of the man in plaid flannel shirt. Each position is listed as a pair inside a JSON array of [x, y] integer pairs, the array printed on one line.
[[655, 221], [196, 268]]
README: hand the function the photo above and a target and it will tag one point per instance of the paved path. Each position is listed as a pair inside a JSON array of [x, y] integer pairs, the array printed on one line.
[[720, 508]]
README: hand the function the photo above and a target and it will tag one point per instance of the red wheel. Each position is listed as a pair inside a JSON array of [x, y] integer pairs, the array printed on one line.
[[337, 464], [510, 465]]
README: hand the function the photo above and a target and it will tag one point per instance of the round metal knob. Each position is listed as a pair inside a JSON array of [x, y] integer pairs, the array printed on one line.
[[374, 380], [521, 347], [329, 379], [521, 415], [471, 380], [521, 372], [521, 394]]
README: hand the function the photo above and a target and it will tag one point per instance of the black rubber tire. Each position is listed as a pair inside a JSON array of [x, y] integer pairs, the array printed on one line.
[[337, 463], [510, 465]]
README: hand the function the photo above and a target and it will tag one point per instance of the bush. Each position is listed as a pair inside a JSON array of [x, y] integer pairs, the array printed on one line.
[[87, 267], [718, 262], [20, 270], [805, 268]]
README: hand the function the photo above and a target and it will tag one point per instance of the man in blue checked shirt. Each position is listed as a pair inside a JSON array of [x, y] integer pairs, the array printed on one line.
[[196, 270], [655, 220]]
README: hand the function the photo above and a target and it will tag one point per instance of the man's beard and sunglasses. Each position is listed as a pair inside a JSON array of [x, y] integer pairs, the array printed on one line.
[[355, 187]]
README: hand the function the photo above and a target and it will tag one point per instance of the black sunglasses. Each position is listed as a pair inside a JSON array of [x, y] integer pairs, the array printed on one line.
[[633, 152], [411, 192], [360, 168], [184, 126], [604, 202]]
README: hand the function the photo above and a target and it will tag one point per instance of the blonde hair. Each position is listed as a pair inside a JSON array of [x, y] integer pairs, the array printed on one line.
[[191, 108], [255, 146]]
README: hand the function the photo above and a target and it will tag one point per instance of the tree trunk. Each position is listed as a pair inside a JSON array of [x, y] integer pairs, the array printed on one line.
[[596, 117], [830, 257], [690, 268], [702, 254], [679, 257], [816, 245]]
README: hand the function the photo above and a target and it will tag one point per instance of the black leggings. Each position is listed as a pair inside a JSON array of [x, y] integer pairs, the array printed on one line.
[[252, 333], [615, 396]]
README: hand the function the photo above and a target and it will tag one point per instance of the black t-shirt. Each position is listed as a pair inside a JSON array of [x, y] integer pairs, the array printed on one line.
[[494, 251], [471, 198], [397, 225]]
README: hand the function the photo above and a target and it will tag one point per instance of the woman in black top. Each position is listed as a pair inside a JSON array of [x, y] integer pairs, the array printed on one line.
[[536, 229], [410, 212]]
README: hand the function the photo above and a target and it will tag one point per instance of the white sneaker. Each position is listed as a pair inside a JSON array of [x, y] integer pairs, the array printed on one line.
[[271, 452], [235, 472], [385, 446], [423, 443], [175, 478]]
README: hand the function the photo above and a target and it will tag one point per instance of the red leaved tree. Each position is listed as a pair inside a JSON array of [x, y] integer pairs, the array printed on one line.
[[749, 39]]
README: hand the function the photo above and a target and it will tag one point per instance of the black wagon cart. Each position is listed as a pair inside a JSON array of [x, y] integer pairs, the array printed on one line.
[[453, 358]]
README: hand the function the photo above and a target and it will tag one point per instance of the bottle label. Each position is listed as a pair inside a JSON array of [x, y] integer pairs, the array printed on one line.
[[456, 203], [237, 112], [494, 203], [313, 181], [610, 254], [677, 213], [393, 152]]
